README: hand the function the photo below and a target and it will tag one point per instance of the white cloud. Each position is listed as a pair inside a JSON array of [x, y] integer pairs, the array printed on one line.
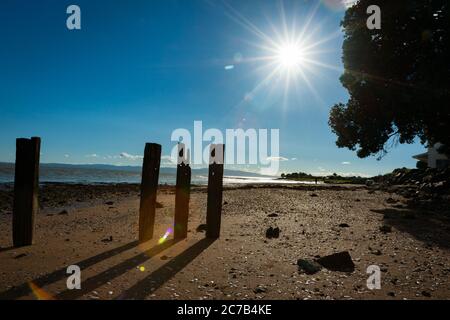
[[94, 155], [277, 159], [66, 156], [130, 156], [229, 67], [293, 159], [346, 163]]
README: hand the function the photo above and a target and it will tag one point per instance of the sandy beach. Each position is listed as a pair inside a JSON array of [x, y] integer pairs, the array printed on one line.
[[95, 227]]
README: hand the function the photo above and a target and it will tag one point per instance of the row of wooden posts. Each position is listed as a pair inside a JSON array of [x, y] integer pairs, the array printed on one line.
[[26, 191]]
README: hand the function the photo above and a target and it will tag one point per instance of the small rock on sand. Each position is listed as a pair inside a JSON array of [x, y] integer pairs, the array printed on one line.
[[110, 239], [273, 233], [63, 213], [341, 261], [260, 289], [308, 266], [391, 201]]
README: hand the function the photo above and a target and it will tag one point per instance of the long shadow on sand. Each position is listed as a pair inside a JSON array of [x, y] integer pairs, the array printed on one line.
[[429, 227], [100, 279], [160, 276], [7, 249], [24, 289]]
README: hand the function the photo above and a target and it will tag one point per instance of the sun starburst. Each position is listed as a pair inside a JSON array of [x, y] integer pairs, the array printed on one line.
[[290, 53]]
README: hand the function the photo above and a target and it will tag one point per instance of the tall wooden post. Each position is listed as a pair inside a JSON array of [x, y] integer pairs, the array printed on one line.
[[183, 190], [26, 190], [215, 188], [149, 188]]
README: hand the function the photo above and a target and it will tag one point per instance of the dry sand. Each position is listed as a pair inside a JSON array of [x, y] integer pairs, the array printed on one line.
[[98, 232]]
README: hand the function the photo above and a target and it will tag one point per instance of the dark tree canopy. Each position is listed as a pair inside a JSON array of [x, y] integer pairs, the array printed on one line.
[[398, 77]]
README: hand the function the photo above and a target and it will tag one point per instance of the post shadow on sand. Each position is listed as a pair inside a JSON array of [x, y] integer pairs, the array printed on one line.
[[7, 249], [100, 279], [24, 289], [430, 228], [156, 279]]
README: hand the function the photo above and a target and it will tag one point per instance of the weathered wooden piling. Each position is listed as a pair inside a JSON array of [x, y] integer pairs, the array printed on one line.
[[149, 188], [215, 188], [182, 193], [26, 190]]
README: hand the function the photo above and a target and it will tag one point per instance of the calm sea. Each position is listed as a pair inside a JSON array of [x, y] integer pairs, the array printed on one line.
[[109, 174]]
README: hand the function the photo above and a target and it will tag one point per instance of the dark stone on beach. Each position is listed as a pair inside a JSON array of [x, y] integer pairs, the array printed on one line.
[[341, 261], [225, 203], [386, 229], [273, 233], [391, 294], [20, 256], [377, 252], [201, 228], [64, 212], [159, 205], [164, 257], [426, 294], [313, 195], [391, 201], [308, 266], [110, 239], [50, 215], [272, 215], [260, 289], [344, 225], [109, 203], [276, 232]]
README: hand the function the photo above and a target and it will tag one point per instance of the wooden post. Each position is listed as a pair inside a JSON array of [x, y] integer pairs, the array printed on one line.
[[26, 190], [183, 190], [215, 188], [149, 187]]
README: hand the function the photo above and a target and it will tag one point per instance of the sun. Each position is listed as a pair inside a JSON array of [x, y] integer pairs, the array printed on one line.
[[289, 53], [290, 56]]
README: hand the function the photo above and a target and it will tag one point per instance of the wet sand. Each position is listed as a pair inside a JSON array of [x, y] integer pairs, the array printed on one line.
[[95, 227]]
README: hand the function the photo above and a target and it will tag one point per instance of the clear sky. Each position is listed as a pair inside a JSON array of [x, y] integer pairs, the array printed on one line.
[[137, 70]]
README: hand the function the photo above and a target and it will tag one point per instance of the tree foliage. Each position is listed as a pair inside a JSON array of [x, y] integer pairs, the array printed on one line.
[[398, 77]]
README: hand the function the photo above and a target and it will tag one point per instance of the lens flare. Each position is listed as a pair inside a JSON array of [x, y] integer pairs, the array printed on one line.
[[165, 236], [40, 293]]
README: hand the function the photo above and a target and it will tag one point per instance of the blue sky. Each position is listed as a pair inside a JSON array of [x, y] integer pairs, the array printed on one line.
[[137, 70]]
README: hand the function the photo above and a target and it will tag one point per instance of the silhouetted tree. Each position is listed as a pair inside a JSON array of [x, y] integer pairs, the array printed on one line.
[[398, 77]]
